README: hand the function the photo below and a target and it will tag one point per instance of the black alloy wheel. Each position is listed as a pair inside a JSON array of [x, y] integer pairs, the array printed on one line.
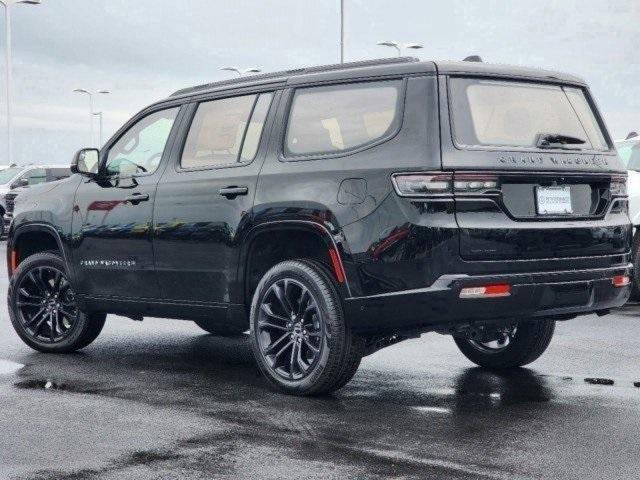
[[290, 329], [299, 336], [46, 304], [44, 310], [514, 346]]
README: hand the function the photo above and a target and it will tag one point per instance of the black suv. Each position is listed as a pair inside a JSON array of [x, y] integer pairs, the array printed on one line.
[[334, 211]]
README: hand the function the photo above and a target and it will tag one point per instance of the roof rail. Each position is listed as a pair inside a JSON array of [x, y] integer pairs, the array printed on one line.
[[298, 71]]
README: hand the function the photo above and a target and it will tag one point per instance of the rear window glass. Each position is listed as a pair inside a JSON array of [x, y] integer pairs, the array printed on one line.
[[514, 114], [341, 117]]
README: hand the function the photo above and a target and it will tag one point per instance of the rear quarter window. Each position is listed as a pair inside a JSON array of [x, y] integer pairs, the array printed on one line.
[[339, 118]]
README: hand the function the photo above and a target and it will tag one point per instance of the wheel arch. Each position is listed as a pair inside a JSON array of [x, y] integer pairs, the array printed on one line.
[[272, 242], [32, 238]]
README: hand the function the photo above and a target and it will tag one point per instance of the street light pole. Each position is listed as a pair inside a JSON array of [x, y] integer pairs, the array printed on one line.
[[99, 115], [7, 8], [341, 31], [90, 94]]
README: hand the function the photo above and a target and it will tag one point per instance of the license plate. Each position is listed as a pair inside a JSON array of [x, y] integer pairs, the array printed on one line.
[[553, 200]]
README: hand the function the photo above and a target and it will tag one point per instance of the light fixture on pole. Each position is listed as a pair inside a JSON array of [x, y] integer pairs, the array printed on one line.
[[99, 115], [7, 7], [398, 47], [90, 94], [241, 72]]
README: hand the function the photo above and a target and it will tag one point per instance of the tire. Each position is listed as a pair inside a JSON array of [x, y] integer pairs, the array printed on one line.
[[219, 330], [37, 275], [529, 341], [313, 334], [635, 258]]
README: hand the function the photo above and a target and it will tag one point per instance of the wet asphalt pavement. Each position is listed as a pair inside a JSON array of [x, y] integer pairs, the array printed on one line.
[[162, 399]]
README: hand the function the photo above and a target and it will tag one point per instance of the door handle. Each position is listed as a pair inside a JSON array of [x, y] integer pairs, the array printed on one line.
[[136, 198], [233, 191]]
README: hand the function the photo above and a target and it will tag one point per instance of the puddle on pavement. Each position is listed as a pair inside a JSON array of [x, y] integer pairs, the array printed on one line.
[[8, 367], [47, 384]]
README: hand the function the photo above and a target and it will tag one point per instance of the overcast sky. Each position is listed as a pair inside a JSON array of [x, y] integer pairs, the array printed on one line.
[[143, 50]]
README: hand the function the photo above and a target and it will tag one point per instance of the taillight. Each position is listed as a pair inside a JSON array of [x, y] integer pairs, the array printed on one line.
[[618, 187], [475, 183], [422, 184]]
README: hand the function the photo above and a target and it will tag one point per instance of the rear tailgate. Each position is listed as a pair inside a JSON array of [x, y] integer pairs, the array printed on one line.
[[534, 172]]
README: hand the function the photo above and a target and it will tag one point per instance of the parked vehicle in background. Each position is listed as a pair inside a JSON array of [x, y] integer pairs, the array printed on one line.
[[334, 211], [14, 179], [629, 152]]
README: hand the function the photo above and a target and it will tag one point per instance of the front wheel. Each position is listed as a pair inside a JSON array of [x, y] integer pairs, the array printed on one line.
[[298, 332], [43, 307], [508, 347]]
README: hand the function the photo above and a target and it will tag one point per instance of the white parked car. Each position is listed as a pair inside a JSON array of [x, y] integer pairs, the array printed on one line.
[[14, 177], [629, 151]]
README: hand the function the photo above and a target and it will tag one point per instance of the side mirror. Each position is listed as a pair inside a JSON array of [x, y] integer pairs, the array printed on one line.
[[85, 162]]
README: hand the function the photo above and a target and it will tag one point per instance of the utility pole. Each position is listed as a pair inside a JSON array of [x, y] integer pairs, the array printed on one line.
[[341, 31], [7, 8]]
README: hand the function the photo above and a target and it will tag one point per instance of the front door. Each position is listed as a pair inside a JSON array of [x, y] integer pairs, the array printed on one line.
[[204, 200], [111, 246]]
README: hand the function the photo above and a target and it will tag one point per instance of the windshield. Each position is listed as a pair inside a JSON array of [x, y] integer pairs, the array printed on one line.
[[7, 174], [629, 152], [516, 114]]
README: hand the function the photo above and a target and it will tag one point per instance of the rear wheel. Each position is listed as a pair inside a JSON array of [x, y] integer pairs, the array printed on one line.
[[44, 310], [509, 347], [298, 332], [219, 330]]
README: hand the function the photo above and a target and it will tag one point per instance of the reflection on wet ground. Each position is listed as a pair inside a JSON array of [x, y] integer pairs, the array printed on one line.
[[153, 399]]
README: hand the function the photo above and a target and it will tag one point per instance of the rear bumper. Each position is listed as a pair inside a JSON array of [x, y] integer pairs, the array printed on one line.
[[537, 294]]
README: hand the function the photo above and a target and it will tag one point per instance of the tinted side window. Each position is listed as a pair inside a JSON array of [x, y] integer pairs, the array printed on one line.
[[38, 175], [140, 149], [58, 174], [225, 131], [341, 117]]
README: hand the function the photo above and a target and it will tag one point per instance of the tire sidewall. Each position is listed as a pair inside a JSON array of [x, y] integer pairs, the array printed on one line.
[[82, 322], [331, 317]]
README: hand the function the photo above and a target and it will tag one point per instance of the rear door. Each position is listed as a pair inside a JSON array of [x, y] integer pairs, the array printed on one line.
[[204, 199], [534, 173]]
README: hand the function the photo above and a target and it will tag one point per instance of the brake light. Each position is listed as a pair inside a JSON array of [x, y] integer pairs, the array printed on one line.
[[474, 183], [620, 280], [422, 185], [487, 291], [618, 187]]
